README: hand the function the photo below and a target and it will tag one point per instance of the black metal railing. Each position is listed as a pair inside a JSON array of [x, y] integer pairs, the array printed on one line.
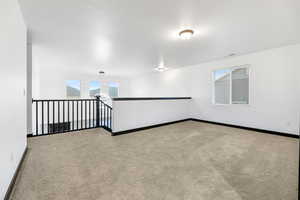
[[51, 116]]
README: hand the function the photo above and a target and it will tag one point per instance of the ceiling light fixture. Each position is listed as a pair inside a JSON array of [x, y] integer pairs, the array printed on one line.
[[161, 68], [186, 34], [101, 72]]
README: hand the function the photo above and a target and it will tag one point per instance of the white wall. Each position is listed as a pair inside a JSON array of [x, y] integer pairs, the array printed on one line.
[[170, 83], [141, 113], [274, 89], [12, 86], [29, 85]]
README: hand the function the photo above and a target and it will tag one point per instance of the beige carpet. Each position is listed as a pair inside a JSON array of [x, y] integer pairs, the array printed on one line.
[[184, 161]]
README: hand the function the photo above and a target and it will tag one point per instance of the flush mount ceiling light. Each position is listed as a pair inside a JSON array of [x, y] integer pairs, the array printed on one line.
[[161, 68], [186, 34]]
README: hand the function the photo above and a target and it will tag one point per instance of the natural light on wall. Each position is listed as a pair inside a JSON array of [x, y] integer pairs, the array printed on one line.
[[231, 86]]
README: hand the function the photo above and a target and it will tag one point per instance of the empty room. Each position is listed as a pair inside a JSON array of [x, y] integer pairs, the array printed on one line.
[[149, 99]]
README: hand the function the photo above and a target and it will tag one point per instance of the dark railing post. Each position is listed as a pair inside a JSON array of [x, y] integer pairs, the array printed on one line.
[[98, 111]]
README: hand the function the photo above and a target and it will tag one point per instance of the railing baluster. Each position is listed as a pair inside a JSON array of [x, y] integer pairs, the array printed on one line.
[[93, 113], [58, 116], [36, 116], [85, 111], [48, 118], [106, 116], [81, 115], [69, 125], [63, 124], [105, 111], [103, 114], [89, 114], [77, 114], [97, 112], [53, 117], [110, 118], [73, 115], [42, 117], [100, 113]]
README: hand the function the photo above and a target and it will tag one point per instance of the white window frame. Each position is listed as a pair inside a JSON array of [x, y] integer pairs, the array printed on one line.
[[246, 66]]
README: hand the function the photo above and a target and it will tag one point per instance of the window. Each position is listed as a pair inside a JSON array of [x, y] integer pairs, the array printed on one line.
[[73, 88], [94, 88], [231, 86], [222, 86], [113, 90], [240, 86]]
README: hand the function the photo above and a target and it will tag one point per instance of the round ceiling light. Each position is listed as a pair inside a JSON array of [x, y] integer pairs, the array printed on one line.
[[186, 34]]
